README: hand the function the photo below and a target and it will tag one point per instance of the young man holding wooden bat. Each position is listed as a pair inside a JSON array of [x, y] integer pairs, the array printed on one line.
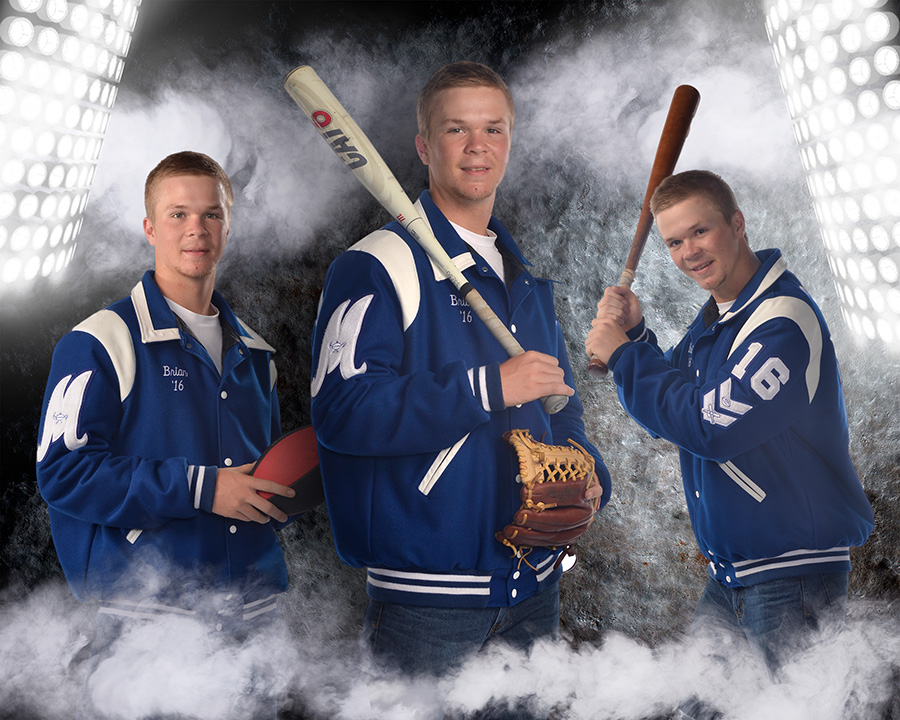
[[154, 409], [412, 396], [752, 396]]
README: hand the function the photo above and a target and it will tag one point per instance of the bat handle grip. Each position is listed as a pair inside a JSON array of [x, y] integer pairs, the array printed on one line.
[[596, 367], [552, 403]]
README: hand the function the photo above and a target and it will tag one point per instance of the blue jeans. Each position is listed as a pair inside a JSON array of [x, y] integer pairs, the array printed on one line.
[[772, 620], [777, 618], [435, 640]]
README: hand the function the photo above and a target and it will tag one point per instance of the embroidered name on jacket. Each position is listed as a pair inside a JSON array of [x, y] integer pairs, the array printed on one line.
[[339, 342], [465, 311], [176, 376], [63, 412]]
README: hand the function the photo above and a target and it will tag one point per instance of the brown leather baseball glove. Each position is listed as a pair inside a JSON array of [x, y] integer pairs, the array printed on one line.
[[554, 479]]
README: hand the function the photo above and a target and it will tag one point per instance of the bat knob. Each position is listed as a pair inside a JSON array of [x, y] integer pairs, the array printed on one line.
[[597, 368], [554, 403]]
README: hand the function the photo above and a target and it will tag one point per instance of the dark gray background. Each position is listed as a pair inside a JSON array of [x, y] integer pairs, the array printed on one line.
[[592, 82]]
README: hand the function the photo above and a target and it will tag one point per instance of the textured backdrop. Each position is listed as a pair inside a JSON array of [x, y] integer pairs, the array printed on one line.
[[592, 81]]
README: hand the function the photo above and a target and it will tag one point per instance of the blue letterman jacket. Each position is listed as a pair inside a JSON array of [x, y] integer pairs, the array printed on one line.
[[408, 409], [136, 422], [754, 402]]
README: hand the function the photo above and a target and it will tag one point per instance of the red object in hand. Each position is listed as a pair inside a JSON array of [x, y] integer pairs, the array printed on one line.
[[293, 460]]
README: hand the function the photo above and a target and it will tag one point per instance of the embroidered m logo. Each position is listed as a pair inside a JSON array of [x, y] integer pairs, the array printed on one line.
[[63, 412], [339, 342]]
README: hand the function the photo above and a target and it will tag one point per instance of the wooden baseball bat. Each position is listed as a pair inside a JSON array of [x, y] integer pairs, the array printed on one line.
[[675, 131], [352, 145]]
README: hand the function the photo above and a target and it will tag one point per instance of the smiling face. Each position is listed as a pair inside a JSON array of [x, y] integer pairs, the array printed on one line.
[[708, 248], [188, 228], [466, 149]]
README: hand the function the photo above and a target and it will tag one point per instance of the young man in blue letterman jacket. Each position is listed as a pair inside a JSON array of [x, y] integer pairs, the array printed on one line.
[[411, 395], [752, 397], [154, 409]]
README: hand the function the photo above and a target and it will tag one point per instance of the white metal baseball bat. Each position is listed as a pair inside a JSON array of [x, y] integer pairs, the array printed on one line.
[[353, 147]]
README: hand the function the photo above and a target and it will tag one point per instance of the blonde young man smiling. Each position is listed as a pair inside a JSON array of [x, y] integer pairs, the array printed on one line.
[[752, 397], [154, 409], [187, 224], [411, 396]]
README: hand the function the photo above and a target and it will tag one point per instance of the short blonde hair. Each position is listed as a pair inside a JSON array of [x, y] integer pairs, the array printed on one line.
[[186, 162], [464, 73]]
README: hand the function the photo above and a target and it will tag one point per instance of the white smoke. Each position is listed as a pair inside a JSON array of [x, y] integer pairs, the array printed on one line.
[[591, 104], [179, 667]]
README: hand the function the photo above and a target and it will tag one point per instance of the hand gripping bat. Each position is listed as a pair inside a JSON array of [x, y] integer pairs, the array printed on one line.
[[353, 147], [675, 132]]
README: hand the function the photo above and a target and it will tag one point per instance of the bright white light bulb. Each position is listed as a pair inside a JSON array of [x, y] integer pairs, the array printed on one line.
[[48, 207], [887, 60], [7, 204], [790, 37], [39, 74], [829, 49], [27, 6], [12, 172], [842, 9], [28, 206], [70, 49], [851, 38], [48, 265], [821, 18], [12, 268], [39, 237], [44, 143], [837, 80], [17, 31], [869, 103], [79, 17], [860, 71], [871, 206], [56, 10], [887, 268], [36, 175], [880, 239], [95, 27], [881, 26], [892, 94], [32, 267], [12, 65], [47, 41], [19, 239], [868, 271]]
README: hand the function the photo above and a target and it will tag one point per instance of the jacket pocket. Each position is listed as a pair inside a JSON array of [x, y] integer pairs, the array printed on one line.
[[440, 464], [743, 481]]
